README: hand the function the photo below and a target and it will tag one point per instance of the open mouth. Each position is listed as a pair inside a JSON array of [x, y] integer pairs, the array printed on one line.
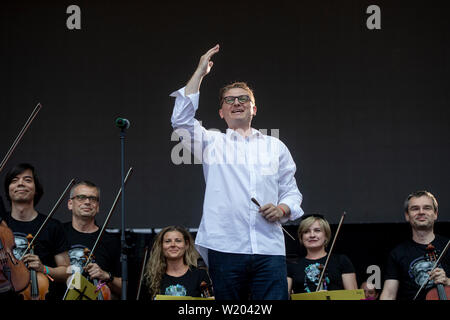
[[238, 111]]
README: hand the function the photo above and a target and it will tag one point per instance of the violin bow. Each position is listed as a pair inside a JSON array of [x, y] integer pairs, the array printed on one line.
[[319, 287], [142, 273], [21, 134], [107, 218], [434, 267], [49, 216]]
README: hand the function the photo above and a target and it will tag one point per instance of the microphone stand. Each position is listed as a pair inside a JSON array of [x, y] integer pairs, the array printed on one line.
[[123, 243]]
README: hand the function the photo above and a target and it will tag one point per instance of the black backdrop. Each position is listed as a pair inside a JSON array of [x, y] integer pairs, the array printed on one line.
[[365, 113]]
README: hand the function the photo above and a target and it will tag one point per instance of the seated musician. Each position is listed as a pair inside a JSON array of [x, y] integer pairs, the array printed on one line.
[[23, 190], [314, 234], [408, 264], [82, 232], [172, 266]]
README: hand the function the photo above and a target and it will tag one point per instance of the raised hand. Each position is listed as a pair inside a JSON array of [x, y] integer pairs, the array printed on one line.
[[205, 64], [203, 68]]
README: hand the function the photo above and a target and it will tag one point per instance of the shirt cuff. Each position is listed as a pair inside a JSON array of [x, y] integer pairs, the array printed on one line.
[[296, 211], [194, 97]]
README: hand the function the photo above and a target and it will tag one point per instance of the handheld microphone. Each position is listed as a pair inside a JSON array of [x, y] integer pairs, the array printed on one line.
[[122, 123]]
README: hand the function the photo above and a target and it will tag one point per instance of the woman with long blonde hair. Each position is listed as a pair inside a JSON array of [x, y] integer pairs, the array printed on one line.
[[172, 266]]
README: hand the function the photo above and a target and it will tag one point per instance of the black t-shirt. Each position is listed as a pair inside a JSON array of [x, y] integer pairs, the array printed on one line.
[[186, 285], [106, 255], [305, 273], [50, 242], [408, 263]]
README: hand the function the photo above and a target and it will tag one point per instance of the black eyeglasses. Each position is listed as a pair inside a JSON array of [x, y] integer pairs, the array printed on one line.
[[82, 197], [241, 99]]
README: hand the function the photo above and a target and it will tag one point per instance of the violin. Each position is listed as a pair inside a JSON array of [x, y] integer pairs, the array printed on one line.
[[13, 273], [205, 289], [38, 286], [104, 293], [440, 292]]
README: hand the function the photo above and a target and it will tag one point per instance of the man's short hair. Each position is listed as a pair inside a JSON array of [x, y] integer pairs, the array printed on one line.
[[241, 85], [14, 172], [418, 194], [84, 183]]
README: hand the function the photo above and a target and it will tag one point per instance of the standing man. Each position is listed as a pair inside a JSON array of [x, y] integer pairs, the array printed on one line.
[[242, 244], [408, 265], [23, 190], [82, 232]]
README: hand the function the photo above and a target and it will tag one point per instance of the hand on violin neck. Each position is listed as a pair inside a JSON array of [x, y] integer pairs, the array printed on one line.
[[439, 277], [95, 272], [32, 261]]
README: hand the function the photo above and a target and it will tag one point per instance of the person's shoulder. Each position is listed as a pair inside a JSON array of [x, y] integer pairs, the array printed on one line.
[[67, 225], [341, 256], [196, 272], [110, 236], [440, 241], [271, 138], [194, 269], [401, 246], [294, 260], [441, 238]]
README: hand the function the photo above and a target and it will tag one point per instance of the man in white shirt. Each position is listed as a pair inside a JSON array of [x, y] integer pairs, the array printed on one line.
[[243, 245]]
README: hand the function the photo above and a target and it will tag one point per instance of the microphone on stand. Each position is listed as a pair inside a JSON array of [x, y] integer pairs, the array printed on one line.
[[122, 123]]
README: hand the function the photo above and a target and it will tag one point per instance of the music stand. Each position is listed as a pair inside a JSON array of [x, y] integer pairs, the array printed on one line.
[[80, 288], [357, 294]]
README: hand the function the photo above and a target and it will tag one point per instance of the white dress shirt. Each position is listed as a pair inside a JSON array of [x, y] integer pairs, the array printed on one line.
[[237, 168]]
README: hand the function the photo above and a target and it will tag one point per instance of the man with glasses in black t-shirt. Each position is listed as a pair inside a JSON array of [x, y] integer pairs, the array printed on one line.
[[83, 231]]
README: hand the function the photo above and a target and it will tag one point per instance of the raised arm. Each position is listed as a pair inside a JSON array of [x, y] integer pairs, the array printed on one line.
[[204, 67]]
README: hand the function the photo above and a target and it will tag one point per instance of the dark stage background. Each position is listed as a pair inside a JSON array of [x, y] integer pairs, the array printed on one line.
[[365, 113]]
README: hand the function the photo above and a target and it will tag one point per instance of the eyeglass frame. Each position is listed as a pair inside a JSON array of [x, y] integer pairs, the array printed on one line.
[[237, 97], [82, 197]]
